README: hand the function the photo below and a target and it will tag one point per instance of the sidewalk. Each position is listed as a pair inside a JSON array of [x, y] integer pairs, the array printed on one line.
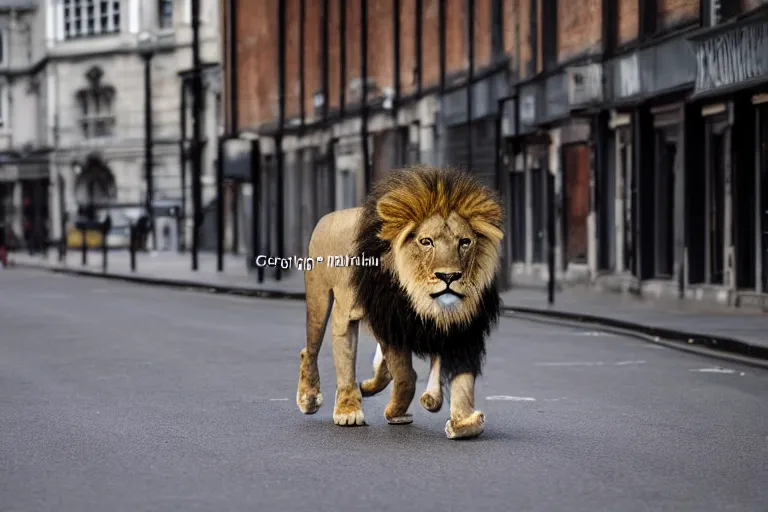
[[688, 322], [712, 326], [170, 268]]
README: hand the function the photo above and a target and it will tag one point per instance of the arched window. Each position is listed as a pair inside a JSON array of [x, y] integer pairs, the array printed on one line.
[[95, 183], [96, 106]]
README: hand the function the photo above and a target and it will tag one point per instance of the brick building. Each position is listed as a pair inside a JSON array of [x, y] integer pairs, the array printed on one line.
[[606, 96]]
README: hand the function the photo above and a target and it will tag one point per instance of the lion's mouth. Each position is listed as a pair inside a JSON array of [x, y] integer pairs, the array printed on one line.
[[447, 291], [447, 299]]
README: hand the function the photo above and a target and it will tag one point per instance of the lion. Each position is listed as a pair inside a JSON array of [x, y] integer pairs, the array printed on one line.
[[436, 235]]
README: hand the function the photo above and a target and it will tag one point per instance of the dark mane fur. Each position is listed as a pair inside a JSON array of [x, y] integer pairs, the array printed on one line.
[[388, 309]]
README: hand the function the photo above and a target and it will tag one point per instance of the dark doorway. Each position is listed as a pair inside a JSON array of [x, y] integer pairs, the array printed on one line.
[[517, 215], [538, 212], [666, 154], [34, 197], [715, 202], [606, 203], [763, 194], [575, 160], [627, 184]]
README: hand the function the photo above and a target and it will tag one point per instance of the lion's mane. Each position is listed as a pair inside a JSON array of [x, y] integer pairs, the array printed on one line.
[[386, 305]]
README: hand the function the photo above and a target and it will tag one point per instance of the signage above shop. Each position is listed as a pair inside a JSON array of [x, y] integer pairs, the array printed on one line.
[[528, 109], [733, 57], [585, 84]]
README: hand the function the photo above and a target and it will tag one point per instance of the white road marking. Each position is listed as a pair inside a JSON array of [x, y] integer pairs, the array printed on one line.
[[278, 399], [589, 363], [511, 398], [572, 363], [714, 370]]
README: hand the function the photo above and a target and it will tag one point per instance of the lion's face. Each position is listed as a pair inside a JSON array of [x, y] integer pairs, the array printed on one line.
[[444, 266], [444, 234]]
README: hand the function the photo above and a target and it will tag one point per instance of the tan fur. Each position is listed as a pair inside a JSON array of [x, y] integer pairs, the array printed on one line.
[[448, 221]]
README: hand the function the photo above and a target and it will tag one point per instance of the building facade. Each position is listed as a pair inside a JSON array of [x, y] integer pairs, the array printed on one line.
[[647, 115], [74, 76]]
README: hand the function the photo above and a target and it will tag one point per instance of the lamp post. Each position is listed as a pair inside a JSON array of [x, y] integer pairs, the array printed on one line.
[[147, 51]]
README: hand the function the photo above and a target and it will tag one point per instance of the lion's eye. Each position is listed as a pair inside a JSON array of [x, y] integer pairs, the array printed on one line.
[[464, 243], [426, 241]]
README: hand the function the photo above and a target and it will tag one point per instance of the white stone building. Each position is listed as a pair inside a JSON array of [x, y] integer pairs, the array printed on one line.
[[72, 106]]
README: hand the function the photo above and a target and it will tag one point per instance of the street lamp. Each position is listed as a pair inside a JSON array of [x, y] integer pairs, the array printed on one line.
[[146, 46]]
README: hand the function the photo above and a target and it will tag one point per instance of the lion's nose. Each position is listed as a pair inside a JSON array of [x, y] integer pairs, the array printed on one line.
[[448, 278]]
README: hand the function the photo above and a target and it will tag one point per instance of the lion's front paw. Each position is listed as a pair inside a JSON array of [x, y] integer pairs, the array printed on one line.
[[431, 401], [471, 426], [349, 418], [348, 410], [309, 401]]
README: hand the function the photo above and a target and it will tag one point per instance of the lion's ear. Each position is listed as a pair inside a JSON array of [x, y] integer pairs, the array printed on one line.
[[395, 213], [487, 230]]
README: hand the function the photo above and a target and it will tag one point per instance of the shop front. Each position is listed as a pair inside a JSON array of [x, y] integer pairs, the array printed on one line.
[[731, 97], [641, 193]]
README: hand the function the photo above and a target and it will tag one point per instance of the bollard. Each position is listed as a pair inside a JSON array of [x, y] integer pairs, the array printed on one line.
[[84, 246], [132, 246], [104, 253], [552, 211], [105, 228]]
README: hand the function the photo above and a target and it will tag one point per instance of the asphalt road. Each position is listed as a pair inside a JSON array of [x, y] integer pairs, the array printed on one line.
[[116, 397]]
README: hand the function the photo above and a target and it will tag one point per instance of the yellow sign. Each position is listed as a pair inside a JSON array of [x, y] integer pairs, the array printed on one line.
[[93, 239]]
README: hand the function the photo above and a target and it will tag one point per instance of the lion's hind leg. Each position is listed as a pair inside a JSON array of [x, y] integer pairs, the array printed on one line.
[[381, 376], [432, 398], [308, 396], [400, 364]]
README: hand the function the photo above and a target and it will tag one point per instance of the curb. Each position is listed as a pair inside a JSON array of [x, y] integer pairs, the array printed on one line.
[[173, 283], [703, 344]]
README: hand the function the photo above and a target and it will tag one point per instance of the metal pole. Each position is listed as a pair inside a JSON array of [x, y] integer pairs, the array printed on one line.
[[148, 163], [396, 56], [235, 197], [326, 85], [471, 41], [279, 139], [183, 164], [441, 15], [302, 21], [342, 56], [255, 206], [419, 38], [132, 248], [196, 133], [551, 236], [104, 248], [498, 180], [86, 222], [62, 219], [364, 93], [220, 206], [233, 96]]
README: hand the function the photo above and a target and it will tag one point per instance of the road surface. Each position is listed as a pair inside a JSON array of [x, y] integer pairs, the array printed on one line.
[[124, 397]]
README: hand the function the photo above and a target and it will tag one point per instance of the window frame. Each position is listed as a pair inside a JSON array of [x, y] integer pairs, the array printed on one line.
[[75, 18], [165, 21], [5, 106]]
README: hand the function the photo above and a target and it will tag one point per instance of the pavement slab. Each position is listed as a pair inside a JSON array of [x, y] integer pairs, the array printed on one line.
[[121, 397]]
